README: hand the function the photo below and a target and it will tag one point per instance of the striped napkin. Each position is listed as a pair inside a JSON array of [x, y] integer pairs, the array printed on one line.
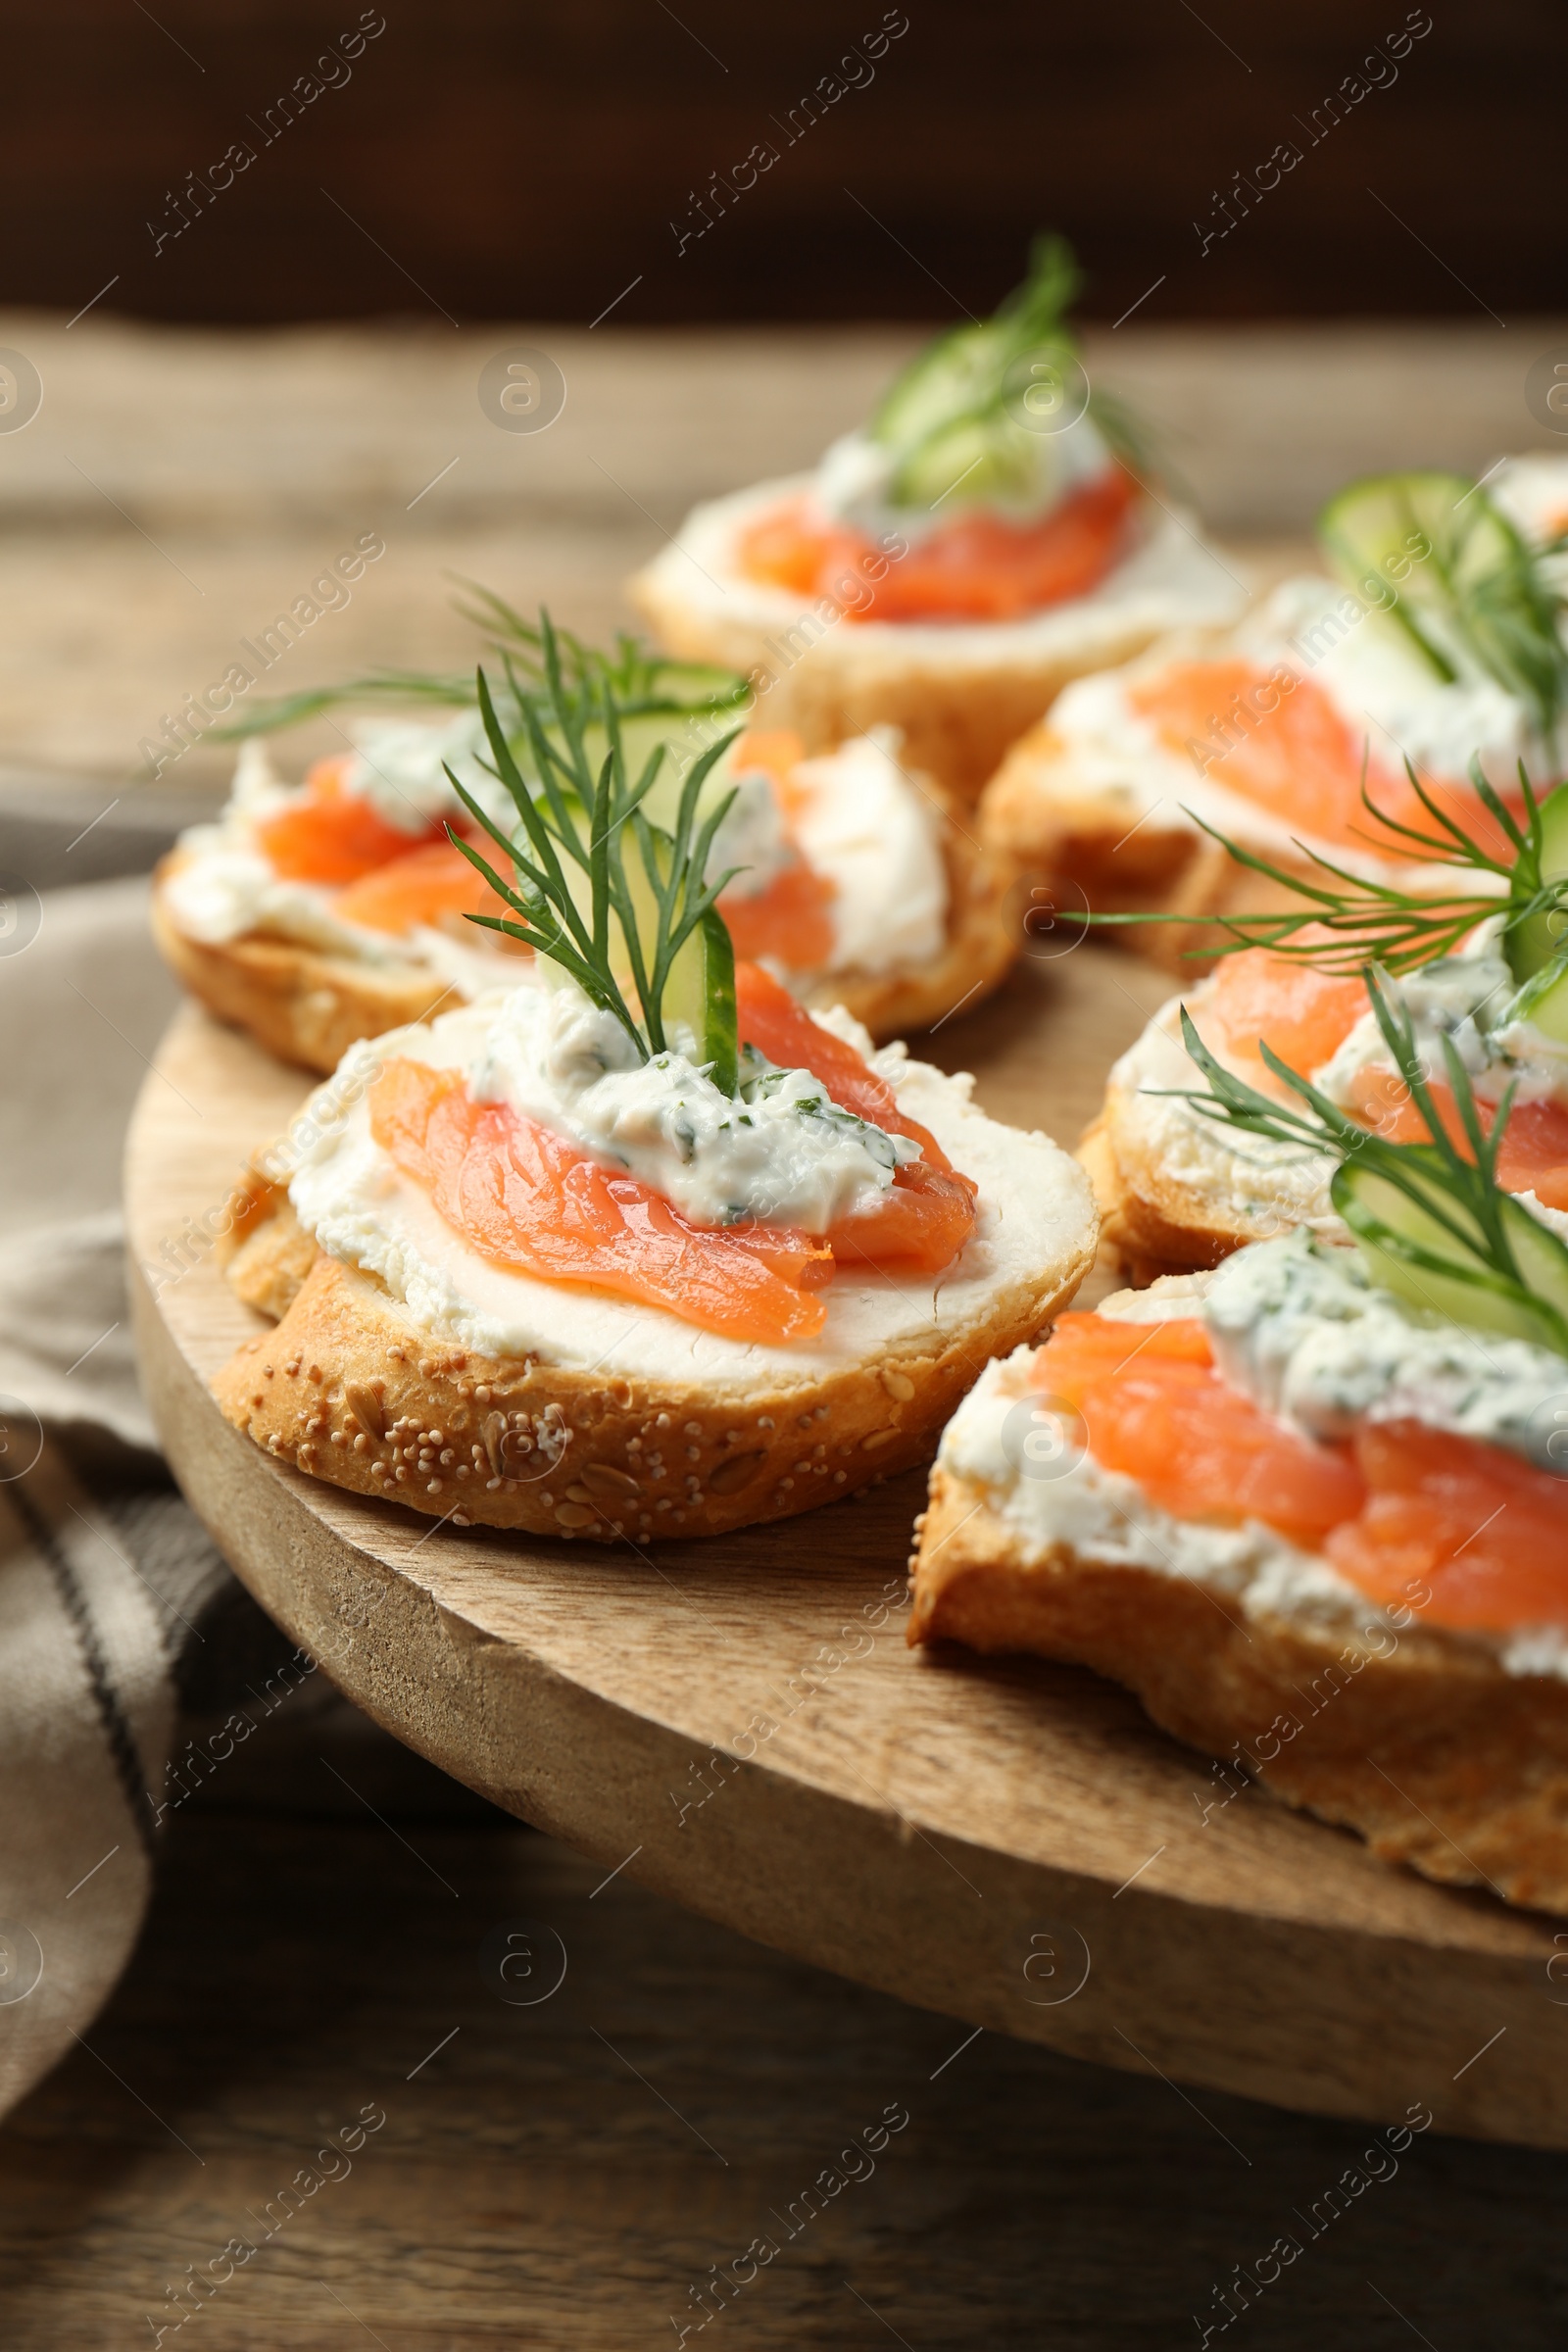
[[105, 1575]]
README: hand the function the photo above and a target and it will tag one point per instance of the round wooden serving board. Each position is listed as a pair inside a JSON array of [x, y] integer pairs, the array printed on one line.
[[739, 1725]]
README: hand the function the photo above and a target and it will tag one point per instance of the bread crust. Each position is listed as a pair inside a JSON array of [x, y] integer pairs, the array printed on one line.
[[1473, 1784], [347, 1384], [1087, 847], [1150, 1224], [303, 1005], [309, 1007]]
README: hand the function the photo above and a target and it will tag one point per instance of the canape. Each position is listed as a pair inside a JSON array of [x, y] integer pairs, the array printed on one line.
[[643, 1247], [318, 914], [1477, 969], [1312, 1507], [1438, 639], [989, 535]]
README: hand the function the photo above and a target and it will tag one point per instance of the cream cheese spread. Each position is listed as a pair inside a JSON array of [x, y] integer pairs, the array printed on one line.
[[1296, 1325], [856, 817], [1034, 1217]]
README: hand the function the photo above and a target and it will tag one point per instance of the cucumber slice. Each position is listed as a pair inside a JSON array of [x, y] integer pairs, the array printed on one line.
[[1448, 566], [700, 994], [1382, 536], [944, 418], [1409, 1252], [1544, 999], [1542, 938]]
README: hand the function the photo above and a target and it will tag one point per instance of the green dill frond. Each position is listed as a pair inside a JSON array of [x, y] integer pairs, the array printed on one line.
[[602, 891], [1431, 1220]]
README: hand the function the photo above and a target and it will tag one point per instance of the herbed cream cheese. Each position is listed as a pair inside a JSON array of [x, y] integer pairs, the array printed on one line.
[[783, 1152], [1034, 1221], [1301, 1327], [1296, 1325]]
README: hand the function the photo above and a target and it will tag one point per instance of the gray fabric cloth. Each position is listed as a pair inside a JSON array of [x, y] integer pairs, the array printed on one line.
[[128, 1651], [105, 1575]]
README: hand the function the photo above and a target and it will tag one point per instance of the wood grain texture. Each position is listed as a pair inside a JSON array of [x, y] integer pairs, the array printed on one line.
[[529, 2193], [913, 1821]]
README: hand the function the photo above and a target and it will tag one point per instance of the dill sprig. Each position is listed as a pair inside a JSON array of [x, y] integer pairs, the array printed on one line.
[[948, 416], [1466, 1234], [1378, 920], [580, 817], [642, 681], [1484, 594], [1368, 921]]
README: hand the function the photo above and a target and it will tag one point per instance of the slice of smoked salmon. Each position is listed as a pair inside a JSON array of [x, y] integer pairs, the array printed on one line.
[[531, 1202], [975, 567], [1532, 1156], [1153, 1405], [1469, 1534], [775, 752], [1293, 753], [433, 885], [1480, 1530], [924, 1220], [332, 835], [791, 919], [1303, 1015]]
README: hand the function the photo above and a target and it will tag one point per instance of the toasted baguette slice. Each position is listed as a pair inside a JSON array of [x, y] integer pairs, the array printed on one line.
[[307, 1007], [962, 692], [1416, 1737], [1098, 815], [666, 1429]]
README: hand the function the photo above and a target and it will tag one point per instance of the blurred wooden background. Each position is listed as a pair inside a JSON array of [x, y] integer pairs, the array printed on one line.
[[493, 162], [178, 487]]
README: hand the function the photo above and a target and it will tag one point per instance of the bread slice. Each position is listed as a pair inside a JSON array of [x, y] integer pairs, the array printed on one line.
[[961, 691], [1178, 1191], [301, 1004], [307, 1007], [664, 1429], [1418, 1738]]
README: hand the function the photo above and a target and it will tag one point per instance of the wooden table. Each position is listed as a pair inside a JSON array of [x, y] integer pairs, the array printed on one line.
[[563, 2174]]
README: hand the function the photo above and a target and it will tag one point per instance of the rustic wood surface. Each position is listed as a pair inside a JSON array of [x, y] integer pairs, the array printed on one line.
[[913, 1821], [563, 2174], [178, 488]]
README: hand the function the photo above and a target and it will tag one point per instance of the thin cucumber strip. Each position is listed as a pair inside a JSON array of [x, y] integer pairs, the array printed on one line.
[[1419, 1256]]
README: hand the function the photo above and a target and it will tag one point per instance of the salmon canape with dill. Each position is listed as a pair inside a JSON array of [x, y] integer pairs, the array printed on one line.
[[990, 534], [1311, 1506], [642, 1247], [1436, 639], [316, 915]]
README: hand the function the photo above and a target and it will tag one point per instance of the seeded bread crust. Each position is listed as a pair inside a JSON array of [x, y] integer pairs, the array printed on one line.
[[1088, 846], [351, 1390], [959, 701], [1434, 1755]]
